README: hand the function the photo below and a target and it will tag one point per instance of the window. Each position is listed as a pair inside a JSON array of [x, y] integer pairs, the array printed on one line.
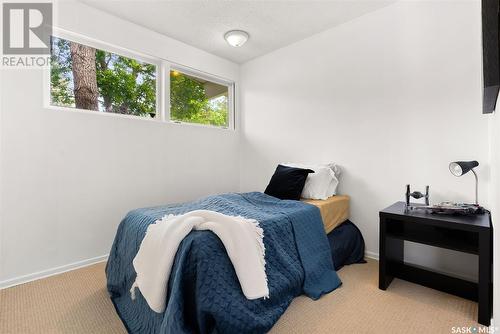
[[84, 77], [104, 79], [201, 100]]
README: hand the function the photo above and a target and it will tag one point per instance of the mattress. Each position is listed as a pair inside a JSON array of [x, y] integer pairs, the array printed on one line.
[[334, 210]]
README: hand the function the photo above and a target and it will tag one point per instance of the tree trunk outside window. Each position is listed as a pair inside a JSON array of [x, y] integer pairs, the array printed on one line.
[[84, 76]]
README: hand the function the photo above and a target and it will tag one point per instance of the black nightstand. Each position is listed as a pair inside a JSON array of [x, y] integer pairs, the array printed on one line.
[[469, 234]]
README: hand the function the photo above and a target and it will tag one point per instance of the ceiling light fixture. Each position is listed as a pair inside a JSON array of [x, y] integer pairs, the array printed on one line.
[[236, 38]]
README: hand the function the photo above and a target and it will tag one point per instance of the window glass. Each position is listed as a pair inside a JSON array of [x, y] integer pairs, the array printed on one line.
[[84, 77], [198, 100]]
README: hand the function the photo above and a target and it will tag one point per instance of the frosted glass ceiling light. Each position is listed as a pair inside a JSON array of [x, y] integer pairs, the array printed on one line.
[[236, 38]]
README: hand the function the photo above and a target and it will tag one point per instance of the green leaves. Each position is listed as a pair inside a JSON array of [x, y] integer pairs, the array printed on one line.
[[189, 102], [127, 86], [61, 83]]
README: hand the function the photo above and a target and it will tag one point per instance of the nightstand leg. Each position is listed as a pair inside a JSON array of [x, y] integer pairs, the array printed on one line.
[[391, 253], [484, 285]]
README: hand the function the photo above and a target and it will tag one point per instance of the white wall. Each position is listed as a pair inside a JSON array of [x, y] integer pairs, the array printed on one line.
[[395, 88], [69, 177], [392, 96], [495, 207]]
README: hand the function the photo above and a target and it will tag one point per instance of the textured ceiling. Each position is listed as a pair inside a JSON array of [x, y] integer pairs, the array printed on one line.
[[271, 24]]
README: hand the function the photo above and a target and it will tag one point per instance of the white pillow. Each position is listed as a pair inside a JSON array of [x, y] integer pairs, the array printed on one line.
[[322, 183]]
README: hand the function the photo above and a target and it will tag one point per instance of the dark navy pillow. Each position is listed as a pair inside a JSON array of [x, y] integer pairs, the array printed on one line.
[[287, 182]]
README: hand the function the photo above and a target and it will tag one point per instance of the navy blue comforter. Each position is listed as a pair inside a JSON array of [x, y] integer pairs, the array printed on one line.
[[204, 295]]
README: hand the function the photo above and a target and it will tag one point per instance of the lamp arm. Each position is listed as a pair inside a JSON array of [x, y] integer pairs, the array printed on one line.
[[475, 175]]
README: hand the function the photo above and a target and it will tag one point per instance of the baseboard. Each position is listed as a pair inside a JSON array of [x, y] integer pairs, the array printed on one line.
[[84, 263], [51, 272], [371, 255]]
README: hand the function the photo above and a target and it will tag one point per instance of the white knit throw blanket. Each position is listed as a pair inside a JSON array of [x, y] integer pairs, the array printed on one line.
[[242, 238]]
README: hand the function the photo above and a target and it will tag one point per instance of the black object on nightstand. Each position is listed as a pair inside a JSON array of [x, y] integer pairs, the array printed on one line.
[[470, 234]]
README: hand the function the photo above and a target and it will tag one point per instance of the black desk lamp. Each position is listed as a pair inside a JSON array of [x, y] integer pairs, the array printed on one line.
[[459, 168]]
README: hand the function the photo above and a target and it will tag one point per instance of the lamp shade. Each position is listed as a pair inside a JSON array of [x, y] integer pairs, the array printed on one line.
[[459, 168]]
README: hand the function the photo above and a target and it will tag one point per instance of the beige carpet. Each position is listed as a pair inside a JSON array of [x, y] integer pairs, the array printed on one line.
[[77, 302]]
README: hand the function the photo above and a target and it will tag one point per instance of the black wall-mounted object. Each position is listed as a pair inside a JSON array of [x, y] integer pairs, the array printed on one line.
[[491, 54]]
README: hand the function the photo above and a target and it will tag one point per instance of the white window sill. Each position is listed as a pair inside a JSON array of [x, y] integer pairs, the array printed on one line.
[[140, 118]]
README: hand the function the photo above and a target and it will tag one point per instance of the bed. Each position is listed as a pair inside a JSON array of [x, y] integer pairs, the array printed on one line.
[[345, 239], [204, 295]]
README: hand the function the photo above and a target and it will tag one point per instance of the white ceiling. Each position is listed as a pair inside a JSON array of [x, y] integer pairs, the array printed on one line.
[[271, 24]]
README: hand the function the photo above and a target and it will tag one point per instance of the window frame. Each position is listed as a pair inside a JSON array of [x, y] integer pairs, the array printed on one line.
[[163, 68], [77, 38]]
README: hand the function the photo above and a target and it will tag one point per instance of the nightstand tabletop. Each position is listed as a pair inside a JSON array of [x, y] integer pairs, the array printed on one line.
[[467, 222]]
